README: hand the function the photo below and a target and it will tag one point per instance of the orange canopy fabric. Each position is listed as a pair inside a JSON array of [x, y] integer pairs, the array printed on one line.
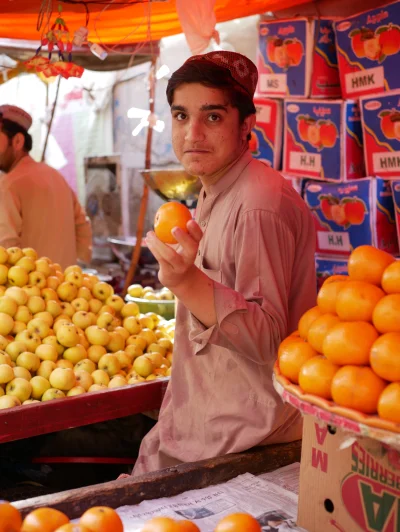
[[121, 24]]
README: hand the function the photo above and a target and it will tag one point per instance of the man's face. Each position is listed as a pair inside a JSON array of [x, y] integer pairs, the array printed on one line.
[[7, 153], [206, 133]]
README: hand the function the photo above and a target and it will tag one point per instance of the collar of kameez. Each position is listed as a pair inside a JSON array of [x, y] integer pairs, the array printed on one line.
[[231, 175]]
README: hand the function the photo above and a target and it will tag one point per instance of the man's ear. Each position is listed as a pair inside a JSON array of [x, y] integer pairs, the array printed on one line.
[[18, 142], [248, 125]]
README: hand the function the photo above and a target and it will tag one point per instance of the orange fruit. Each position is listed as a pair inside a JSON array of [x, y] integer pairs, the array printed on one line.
[[319, 329], [349, 342], [357, 387], [391, 278], [187, 526], [386, 315], [356, 301], [389, 403], [44, 520], [307, 319], [293, 356], [328, 292], [102, 519], [169, 215], [238, 523], [73, 527], [285, 342], [316, 376], [335, 278], [160, 524], [385, 356], [367, 264], [10, 518]]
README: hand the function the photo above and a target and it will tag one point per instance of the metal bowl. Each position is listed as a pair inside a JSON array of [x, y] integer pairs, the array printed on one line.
[[173, 184]]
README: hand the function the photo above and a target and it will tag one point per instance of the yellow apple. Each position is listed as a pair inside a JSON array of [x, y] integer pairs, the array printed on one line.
[[86, 365], [146, 323], [116, 302], [22, 373], [3, 274], [76, 390], [5, 358], [30, 252], [95, 305], [8, 401], [82, 319], [38, 326], [3, 255], [23, 314], [102, 291], [66, 364], [19, 326], [43, 266], [47, 352], [95, 352], [67, 291], [100, 377], [124, 359], [138, 341], [48, 294], [148, 335], [151, 377], [80, 304], [52, 340], [39, 386], [53, 308], [4, 342], [96, 335], [53, 282], [97, 388], [135, 290], [133, 351], [75, 278], [82, 339], [143, 366], [6, 324], [161, 372], [157, 348], [63, 379], [18, 294], [75, 354], [105, 320], [67, 309], [14, 254], [19, 388], [14, 349], [132, 325], [169, 357], [84, 379], [36, 304], [6, 373], [166, 363], [166, 343], [67, 335], [84, 293], [52, 393], [60, 276], [29, 361], [46, 317], [123, 332], [110, 364], [117, 382], [72, 268], [45, 369], [38, 280], [60, 321], [116, 343], [27, 264], [136, 379], [30, 402], [156, 359]]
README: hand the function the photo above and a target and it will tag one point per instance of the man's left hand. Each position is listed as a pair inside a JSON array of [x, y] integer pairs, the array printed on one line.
[[176, 262]]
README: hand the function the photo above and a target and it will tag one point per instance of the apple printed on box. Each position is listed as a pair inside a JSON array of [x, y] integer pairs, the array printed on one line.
[[354, 166], [266, 137], [325, 82], [284, 58], [326, 266], [352, 214], [368, 47], [395, 184], [312, 141], [381, 130]]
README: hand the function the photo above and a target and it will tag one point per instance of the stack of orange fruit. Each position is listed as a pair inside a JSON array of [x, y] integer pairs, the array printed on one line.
[[347, 347]]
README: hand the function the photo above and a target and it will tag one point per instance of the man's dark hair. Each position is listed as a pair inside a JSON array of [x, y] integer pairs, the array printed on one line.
[[211, 75], [10, 129]]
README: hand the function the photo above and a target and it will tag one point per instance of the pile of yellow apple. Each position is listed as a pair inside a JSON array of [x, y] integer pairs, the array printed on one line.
[[148, 293], [65, 333]]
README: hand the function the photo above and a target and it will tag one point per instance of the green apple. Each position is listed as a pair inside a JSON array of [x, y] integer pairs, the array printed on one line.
[[52, 393], [39, 386], [19, 388], [63, 379]]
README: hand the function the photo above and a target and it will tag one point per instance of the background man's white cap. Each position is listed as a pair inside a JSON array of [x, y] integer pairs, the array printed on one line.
[[17, 115]]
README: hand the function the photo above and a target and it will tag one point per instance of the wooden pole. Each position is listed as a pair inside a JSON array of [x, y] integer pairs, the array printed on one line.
[[145, 194], [51, 119]]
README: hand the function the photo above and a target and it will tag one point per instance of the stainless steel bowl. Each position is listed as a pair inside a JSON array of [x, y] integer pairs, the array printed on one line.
[[173, 184]]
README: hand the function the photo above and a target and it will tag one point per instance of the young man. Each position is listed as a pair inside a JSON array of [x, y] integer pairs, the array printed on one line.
[[244, 274], [37, 207]]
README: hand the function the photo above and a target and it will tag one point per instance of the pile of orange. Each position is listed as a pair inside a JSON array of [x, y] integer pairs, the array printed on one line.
[[347, 347]]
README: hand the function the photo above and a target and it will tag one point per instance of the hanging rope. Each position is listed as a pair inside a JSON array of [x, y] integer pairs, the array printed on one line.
[[46, 8]]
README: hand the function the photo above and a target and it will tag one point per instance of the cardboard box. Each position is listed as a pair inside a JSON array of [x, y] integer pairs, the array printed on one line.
[[347, 485], [284, 58], [380, 116], [354, 166], [326, 266], [266, 138], [368, 47], [395, 184], [325, 81]]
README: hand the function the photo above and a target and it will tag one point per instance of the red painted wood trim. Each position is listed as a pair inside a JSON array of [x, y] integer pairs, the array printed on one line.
[[60, 414]]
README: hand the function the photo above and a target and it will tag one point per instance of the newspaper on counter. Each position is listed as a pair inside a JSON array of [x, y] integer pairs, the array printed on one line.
[[274, 507], [287, 477]]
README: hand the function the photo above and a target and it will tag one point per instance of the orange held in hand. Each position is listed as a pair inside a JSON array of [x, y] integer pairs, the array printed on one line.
[[102, 519], [10, 519], [44, 520], [238, 523], [171, 214]]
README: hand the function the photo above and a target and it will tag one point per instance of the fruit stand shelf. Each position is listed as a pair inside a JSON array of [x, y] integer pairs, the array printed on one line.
[[60, 414]]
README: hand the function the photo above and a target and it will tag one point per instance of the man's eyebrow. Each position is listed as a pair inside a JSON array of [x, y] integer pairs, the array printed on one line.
[[178, 108], [208, 107]]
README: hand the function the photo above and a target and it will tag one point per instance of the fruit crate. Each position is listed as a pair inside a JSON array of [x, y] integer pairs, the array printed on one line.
[[59, 414]]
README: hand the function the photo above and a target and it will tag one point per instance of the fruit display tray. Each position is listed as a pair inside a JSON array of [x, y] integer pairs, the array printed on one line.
[[66, 413], [346, 418]]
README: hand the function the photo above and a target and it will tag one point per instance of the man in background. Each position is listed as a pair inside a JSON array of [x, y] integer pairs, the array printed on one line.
[[38, 209]]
